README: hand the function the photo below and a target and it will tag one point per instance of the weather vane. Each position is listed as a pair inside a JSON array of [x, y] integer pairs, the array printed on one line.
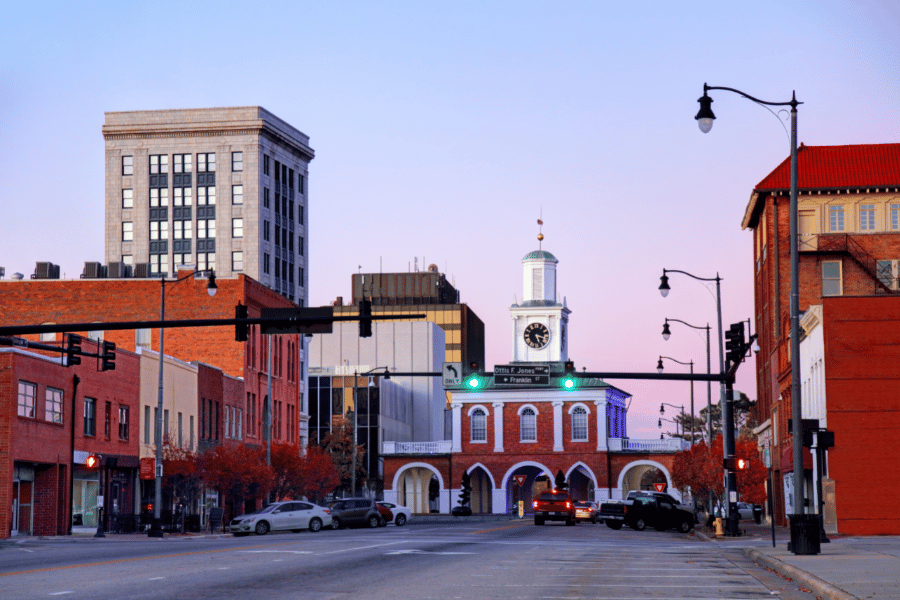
[[540, 229]]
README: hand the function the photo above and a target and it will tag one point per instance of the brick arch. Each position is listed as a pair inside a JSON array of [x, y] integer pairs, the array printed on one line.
[[486, 470], [648, 463], [524, 463], [586, 470]]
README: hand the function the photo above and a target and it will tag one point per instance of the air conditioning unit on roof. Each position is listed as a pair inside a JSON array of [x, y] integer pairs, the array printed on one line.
[[46, 270]]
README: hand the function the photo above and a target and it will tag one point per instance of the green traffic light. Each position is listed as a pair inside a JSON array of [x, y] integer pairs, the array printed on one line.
[[473, 382], [568, 383]]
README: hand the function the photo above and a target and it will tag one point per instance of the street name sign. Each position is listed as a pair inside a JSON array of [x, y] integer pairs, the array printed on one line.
[[522, 375]]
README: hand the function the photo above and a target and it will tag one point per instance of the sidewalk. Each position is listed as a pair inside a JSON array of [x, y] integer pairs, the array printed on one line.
[[847, 568]]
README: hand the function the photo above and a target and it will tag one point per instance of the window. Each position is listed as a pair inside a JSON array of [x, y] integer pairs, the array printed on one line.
[[180, 427], [237, 261], [206, 196], [146, 424], [181, 260], [265, 197], [182, 196], [127, 259], [867, 217], [835, 218], [183, 230], [831, 278], [300, 245], [895, 216], [90, 416], [123, 423], [237, 161], [159, 163], [237, 228], [888, 272], [266, 234], [159, 263], [265, 262], [53, 406], [527, 425], [300, 277], [579, 424], [237, 194], [479, 425], [206, 163], [107, 420], [27, 392], [127, 165], [127, 198], [127, 231], [191, 446], [265, 165], [159, 230], [302, 184], [300, 213], [206, 228], [182, 163], [165, 425], [159, 197], [206, 260]]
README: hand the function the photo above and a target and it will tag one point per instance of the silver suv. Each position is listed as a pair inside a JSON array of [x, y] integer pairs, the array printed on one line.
[[354, 511]]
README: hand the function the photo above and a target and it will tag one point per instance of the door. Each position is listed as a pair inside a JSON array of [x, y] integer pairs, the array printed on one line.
[[282, 516], [304, 513], [808, 230], [23, 501]]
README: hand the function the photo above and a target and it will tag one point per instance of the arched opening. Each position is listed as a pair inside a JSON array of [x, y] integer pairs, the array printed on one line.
[[642, 475], [482, 490], [581, 484], [534, 480], [415, 489]]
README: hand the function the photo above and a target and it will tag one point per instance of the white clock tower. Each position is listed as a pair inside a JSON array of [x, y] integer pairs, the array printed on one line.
[[540, 322]]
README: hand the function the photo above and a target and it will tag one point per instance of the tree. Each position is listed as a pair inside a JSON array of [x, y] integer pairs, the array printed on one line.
[[287, 468], [181, 474], [465, 489], [560, 482], [339, 445], [751, 482], [318, 474], [239, 474]]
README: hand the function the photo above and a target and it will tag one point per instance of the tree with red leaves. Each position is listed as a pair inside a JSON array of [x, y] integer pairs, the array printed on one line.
[[181, 474], [339, 445], [287, 468], [239, 474], [319, 475]]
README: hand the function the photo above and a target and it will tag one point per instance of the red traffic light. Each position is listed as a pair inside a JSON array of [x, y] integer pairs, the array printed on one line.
[[92, 461]]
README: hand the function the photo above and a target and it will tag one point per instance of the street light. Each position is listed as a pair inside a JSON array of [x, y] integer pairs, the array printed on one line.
[[705, 119], [671, 421], [211, 288], [662, 406], [666, 334], [354, 413]]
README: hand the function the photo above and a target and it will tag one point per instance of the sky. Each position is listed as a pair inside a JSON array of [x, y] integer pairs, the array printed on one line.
[[443, 132]]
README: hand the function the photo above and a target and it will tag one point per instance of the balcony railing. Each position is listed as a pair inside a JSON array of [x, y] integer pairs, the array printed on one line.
[[442, 447], [630, 445], [846, 244]]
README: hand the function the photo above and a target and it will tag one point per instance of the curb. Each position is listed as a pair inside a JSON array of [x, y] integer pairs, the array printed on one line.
[[810, 581]]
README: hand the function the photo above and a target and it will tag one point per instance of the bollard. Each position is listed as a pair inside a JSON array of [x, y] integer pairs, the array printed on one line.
[[719, 529]]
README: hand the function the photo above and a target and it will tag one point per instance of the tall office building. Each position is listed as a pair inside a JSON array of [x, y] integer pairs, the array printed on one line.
[[219, 188]]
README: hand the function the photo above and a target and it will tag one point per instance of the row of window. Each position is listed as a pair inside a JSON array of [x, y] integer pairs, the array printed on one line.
[[182, 163], [866, 217], [53, 410], [887, 271], [528, 424], [183, 196]]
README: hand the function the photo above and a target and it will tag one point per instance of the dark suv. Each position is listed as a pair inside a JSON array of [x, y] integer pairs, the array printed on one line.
[[354, 511]]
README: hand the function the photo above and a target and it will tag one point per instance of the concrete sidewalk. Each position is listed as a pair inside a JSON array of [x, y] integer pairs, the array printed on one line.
[[847, 568]]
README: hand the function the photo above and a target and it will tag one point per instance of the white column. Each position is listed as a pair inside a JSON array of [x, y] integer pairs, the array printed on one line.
[[457, 427], [498, 426], [557, 426], [601, 424], [498, 501]]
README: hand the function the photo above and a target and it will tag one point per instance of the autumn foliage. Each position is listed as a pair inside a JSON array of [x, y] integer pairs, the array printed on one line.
[[702, 470], [312, 474], [240, 473]]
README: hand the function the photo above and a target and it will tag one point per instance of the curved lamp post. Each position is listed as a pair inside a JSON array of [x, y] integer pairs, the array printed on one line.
[[666, 334], [211, 288], [705, 118], [662, 407]]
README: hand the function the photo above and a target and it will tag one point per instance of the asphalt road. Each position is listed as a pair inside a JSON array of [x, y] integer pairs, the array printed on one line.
[[508, 560]]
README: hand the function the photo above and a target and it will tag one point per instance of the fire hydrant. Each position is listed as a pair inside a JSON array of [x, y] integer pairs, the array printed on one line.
[[719, 530]]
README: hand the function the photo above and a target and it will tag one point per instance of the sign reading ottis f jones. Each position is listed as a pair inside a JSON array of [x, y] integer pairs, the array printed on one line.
[[521, 374]]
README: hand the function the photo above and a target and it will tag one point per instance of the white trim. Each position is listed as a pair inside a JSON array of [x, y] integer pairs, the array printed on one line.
[[481, 406], [531, 406], [582, 405], [590, 472], [524, 463]]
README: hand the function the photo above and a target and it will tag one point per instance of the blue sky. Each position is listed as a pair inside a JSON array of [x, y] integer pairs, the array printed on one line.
[[443, 131]]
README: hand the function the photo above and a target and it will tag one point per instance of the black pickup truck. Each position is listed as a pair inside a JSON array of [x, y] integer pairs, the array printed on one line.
[[643, 509]]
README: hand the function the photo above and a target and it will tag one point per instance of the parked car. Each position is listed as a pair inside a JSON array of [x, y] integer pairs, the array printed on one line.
[[586, 511], [279, 516], [400, 514], [745, 510], [386, 514], [461, 511], [355, 511]]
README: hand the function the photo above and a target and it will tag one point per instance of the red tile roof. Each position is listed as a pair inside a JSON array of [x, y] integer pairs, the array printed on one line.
[[838, 167]]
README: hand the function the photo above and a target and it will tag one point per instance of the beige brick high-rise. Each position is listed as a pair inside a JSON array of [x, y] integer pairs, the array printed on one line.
[[222, 188]]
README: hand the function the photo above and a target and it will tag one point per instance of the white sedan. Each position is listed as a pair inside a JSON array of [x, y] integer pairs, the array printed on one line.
[[401, 513], [278, 516]]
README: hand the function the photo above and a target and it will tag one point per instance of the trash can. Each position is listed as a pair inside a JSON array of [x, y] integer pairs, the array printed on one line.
[[804, 534], [757, 514]]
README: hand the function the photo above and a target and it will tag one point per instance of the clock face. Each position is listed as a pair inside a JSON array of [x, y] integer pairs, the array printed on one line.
[[537, 335]]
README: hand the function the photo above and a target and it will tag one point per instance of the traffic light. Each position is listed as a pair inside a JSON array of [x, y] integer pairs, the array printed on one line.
[[240, 329], [73, 350], [473, 381], [365, 318], [737, 464], [108, 356], [734, 343], [568, 382], [92, 462]]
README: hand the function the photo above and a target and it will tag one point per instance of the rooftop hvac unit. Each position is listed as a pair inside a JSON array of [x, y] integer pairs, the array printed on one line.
[[93, 270], [46, 270], [118, 270], [142, 270]]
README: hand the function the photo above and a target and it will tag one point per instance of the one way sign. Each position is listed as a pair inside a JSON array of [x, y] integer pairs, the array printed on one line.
[[452, 374]]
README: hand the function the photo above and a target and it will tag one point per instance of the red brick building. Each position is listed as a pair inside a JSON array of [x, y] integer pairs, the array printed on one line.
[[849, 245], [51, 418]]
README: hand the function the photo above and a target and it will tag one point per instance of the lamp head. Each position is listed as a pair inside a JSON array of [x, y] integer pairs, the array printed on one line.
[[664, 285], [755, 347], [705, 116], [662, 409], [659, 366], [211, 286], [659, 423], [666, 333]]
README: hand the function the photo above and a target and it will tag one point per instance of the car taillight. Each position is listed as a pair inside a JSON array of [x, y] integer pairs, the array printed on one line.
[[625, 510], [568, 505], [327, 511], [534, 504]]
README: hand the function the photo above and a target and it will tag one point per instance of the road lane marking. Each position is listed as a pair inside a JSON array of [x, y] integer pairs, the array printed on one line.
[[416, 551], [155, 578], [61, 593], [499, 528], [363, 548], [138, 558]]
